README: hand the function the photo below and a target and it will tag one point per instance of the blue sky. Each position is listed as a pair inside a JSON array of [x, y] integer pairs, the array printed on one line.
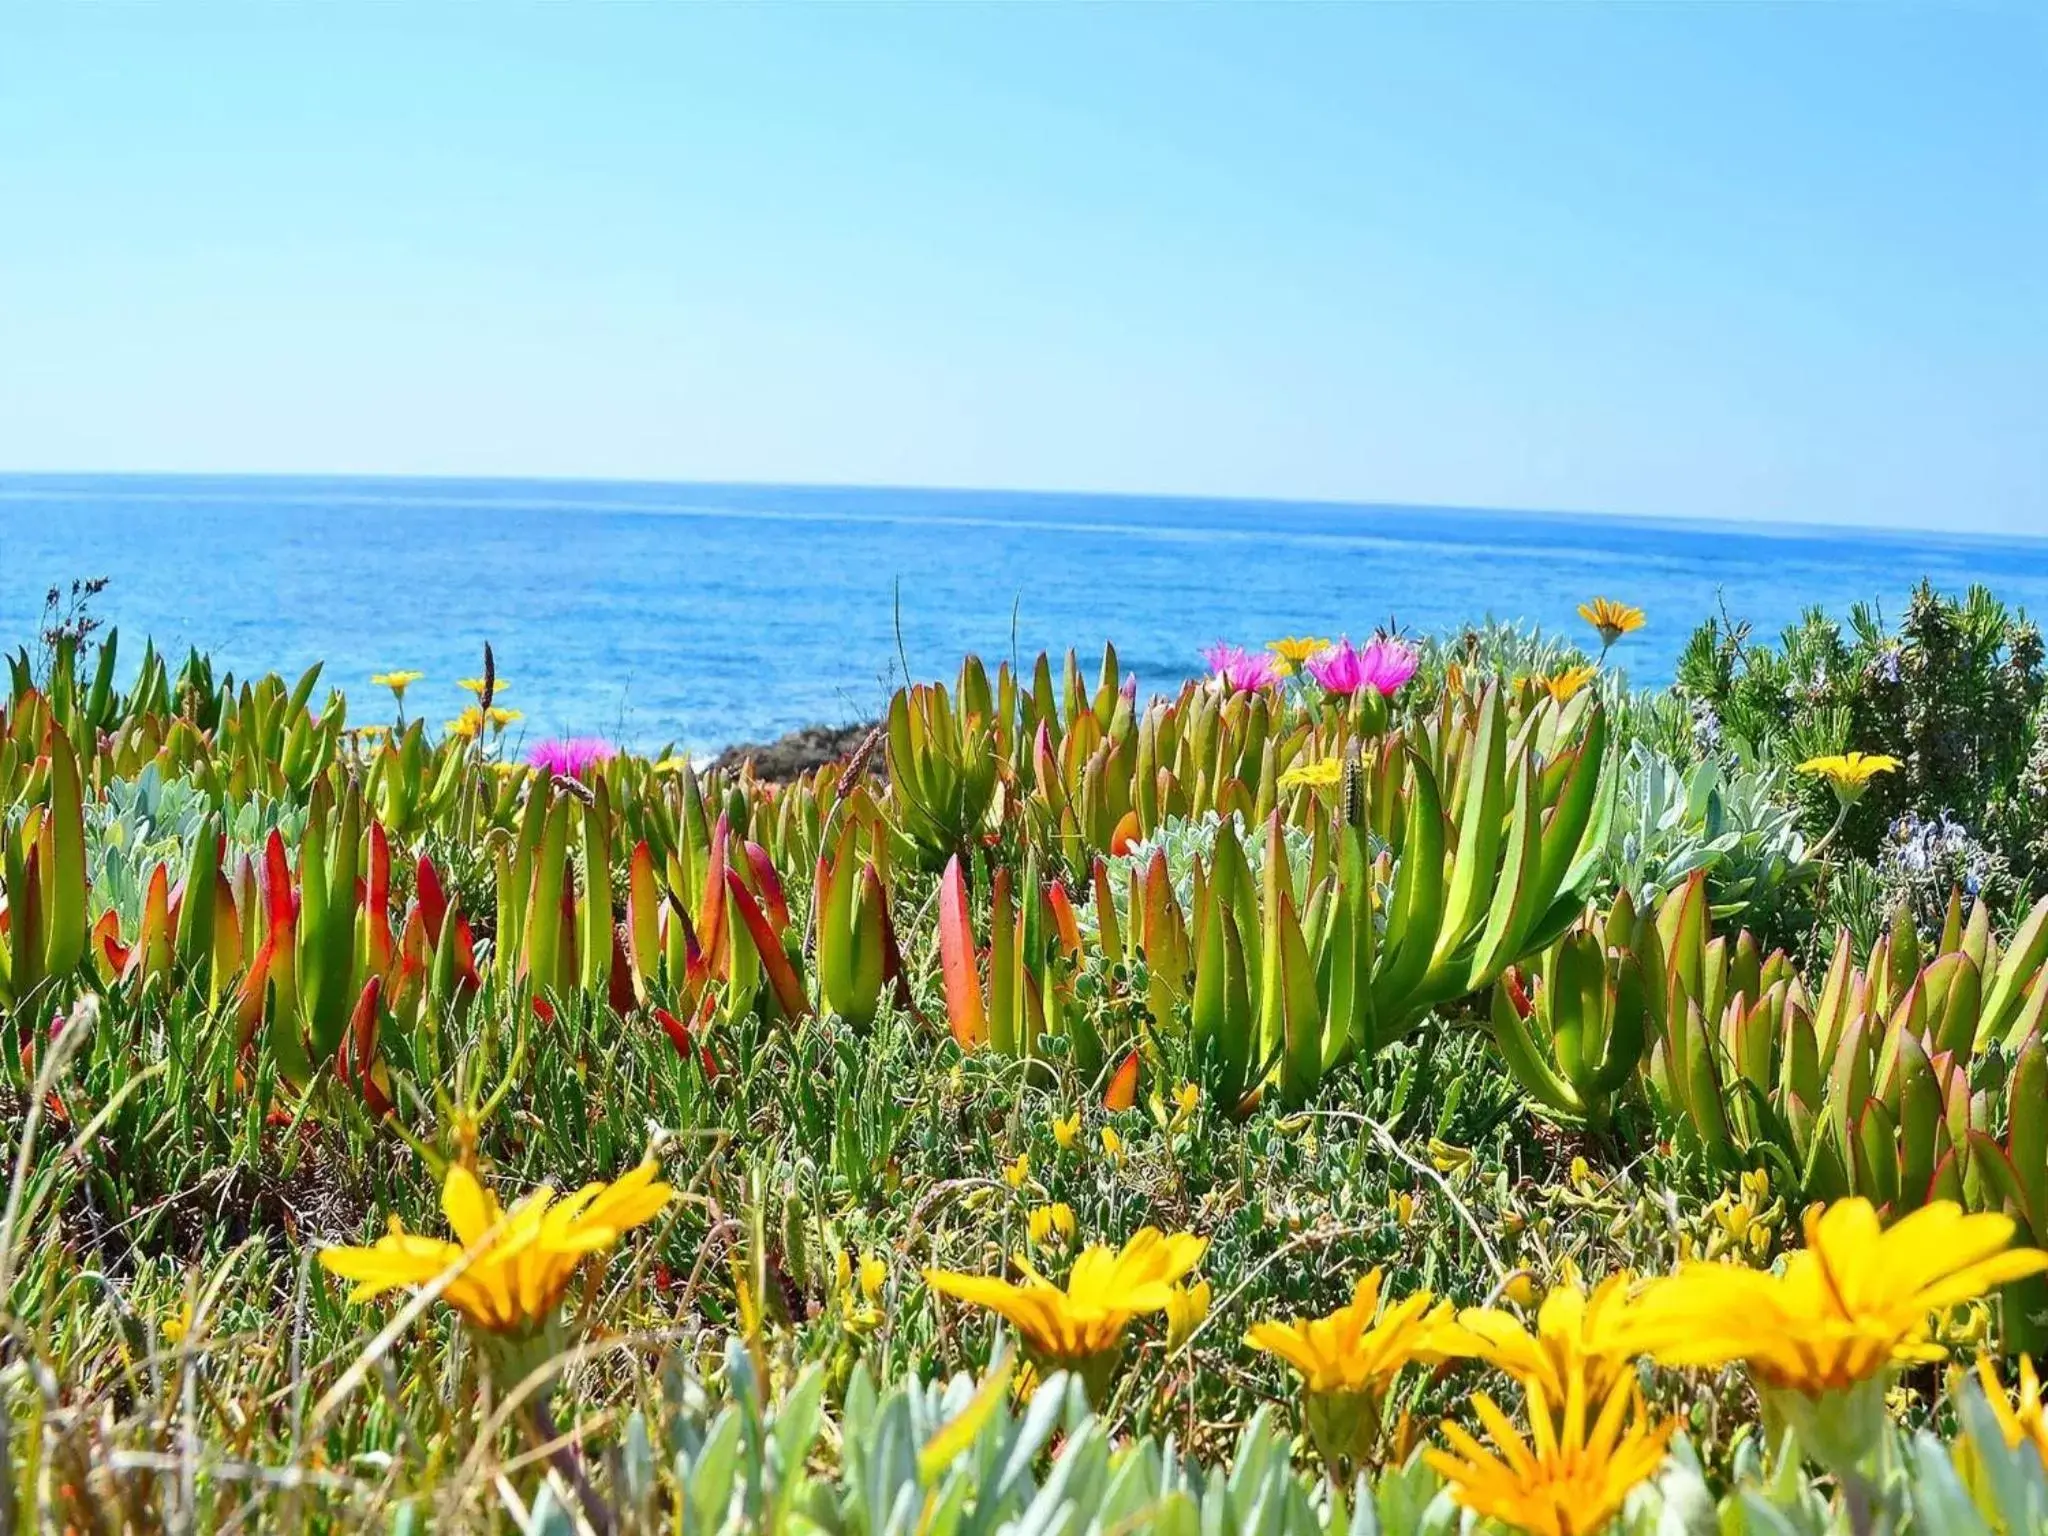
[[1687, 260]]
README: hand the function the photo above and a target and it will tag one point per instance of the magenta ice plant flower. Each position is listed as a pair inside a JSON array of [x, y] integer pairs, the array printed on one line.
[[1241, 670], [1383, 666], [572, 757]]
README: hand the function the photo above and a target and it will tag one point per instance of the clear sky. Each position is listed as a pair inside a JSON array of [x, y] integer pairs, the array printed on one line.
[[1693, 260]]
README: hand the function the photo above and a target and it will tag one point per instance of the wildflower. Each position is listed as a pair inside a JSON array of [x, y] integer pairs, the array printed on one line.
[[1186, 1309], [1068, 1131], [1295, 650], [1016, 1174], [1324, 773], [1447, 1158], [1573, 1480], [514, 1265], [1081, 1328], [857, 1308], [1968, 1327], [1187, 1099], [1241, 671], [500, 718], [475, 685], [1113, 1145], [1520, 1288], [397, 682], [1401, 1206], [1051, 1223], [1855, 1299], [1849, 773], [1565, 685], [1746, 1222], [1384, 666], [1348, 1360], [571, 758], [373, 732], [1612, 619], [2021, 1421], [467, 724], [1576, 1335], [1581, 1175], [1821, 1339], [874, 1274]]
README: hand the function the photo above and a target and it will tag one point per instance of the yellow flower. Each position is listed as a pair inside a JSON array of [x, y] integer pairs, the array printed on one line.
[[1113, 1144], [397, 682], [1849, 773], [1296, 649], [2021, 1421], [1401, 1206], [1348, 1360], [373, 732], [1565, 685], [1358, 1347], [1016, 1174], [1857, 1298], [1082, 1327], [874, 1274], [467, 724], [1446, 1158], [1186, 1307], [1324, 773], [1520, 1288], [670, 765], [518, 1262], [1572, 1481], [508, 770], [1612, 619], [1068, 1131], [1575, 1335], [1053, 1223], [1187, 1098], [500, 718], [475, 685]]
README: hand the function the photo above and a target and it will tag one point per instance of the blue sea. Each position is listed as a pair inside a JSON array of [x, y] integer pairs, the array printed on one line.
[[700, 615]]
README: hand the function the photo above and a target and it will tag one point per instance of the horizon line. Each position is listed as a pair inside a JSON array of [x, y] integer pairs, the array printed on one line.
[[1762, 523]]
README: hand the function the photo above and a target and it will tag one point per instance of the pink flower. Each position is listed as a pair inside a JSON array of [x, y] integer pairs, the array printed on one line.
[[571, 758], [1383, 666], [1241, 670]]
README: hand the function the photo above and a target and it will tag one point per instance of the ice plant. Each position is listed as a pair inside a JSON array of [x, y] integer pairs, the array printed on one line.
[[512, 1267], [1241, 671], [1384, 666], [1570, 1478], [1081, 1328], [1295, 650], [571, 757], [1611, 619], [1821, 1339], [1348, 1361]]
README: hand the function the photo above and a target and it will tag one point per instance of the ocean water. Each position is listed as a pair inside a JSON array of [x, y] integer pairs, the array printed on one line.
[[700, 615]]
